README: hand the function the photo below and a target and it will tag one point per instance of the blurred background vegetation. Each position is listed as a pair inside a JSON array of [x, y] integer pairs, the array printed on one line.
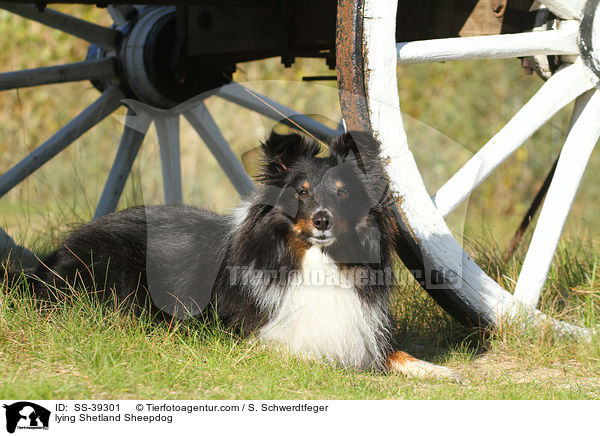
[[450, 111]]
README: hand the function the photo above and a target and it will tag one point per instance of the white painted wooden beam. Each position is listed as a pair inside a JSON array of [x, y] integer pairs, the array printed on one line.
[[256, 102], [565, 8], [571, 164], [131, 140], [101, 36], [550, 42], [167, 131], [562, 88], [106, 104], [95, 69], [202, 121]]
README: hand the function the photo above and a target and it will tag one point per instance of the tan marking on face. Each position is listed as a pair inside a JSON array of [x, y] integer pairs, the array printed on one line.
[[297, 246], [306, 185], [339, 184], [303, 225]]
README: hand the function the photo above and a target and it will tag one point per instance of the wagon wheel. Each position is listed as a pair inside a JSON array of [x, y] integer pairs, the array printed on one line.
[[126, 63], [367, 55]]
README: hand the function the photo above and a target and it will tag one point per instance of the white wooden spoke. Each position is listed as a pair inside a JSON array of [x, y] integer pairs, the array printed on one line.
[[131, 140], [101, 36], [167, 130], [550, 42], [202, 121], [562, 88], [86, 70], [565, 8], [107, 103], [119, 13], [441, 253], [571, 164], [265, 106]]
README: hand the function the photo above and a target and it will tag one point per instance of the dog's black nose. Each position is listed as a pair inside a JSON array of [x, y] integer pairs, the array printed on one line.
[[322, 220]]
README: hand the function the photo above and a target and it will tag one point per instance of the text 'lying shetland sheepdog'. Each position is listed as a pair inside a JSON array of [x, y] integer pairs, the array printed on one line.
[[305, 264]]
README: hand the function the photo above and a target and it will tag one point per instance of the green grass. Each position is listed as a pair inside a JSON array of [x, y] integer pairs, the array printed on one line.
[[80, 348]]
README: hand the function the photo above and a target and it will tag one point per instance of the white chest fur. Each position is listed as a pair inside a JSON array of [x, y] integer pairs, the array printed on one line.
[[322, 316]]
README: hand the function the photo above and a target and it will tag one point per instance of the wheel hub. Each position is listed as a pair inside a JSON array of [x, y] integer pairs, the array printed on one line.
[[152, 64]]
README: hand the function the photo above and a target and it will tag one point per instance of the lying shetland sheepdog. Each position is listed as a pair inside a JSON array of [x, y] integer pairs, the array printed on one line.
[[305, 264]]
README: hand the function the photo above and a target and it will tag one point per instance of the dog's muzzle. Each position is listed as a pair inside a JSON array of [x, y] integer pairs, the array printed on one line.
[[323, 223]]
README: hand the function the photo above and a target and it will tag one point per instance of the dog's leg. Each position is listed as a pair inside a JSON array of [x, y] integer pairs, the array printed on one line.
[[403, 363]]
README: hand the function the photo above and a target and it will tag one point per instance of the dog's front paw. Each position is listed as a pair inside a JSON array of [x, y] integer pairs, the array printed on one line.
[[443, 373]]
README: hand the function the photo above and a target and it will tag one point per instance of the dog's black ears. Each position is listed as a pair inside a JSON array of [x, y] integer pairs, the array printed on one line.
[[360, 145], [281, 151]]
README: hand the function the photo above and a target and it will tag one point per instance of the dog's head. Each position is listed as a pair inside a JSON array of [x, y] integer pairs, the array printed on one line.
[[335, 202]]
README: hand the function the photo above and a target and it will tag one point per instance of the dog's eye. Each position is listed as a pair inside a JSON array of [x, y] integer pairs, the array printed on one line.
[[342, 193], [303, 193]]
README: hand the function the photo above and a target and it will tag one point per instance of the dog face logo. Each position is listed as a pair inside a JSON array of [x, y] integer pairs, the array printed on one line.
[[26, 415]]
